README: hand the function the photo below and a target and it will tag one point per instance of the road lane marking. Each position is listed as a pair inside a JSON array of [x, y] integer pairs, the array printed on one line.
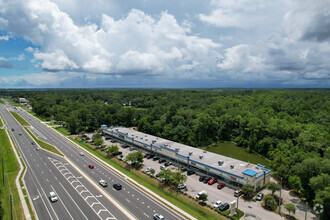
[[61, 201]]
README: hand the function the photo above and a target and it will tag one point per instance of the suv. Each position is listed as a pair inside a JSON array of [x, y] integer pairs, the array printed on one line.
[[103, 183], [156, 158], [238, 193], [117, 186], [53, 197], [162, 160], [190, 172], [224, 207]]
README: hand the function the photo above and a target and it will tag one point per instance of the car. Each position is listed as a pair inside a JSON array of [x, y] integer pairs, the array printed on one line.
[[207, 179], [38, 148], [20, 134], [81, 154], [212, 181], [221, 185], [238, 193], [103, 183], [201, 178], [117, 153], [156, 158], [53, 197], [158, 217], [183, 169], [181, 186], [146, 155], [162, 167], [117, 186], [217, 204], [32, 143], [91, 166], [132, 148], [13, 129], [260, 196], [123, 146], [157, 175], [162, 160], [168, 163], [150, 156], [190, 172], [113, 141], [200, 193], [148, 169], [224, 207], [107, 138]]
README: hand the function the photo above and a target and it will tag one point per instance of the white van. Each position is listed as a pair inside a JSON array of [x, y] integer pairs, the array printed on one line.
[[200, 193]]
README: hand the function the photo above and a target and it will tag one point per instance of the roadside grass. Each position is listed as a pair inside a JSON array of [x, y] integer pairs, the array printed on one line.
[[11, 168], [177, 198], [1, 124], [34, 114], [13, 103], [44, 144], [2, 102], [19, 119], [62, 131]]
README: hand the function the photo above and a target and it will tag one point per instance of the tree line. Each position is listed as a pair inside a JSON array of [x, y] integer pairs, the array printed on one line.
[[288, 126]]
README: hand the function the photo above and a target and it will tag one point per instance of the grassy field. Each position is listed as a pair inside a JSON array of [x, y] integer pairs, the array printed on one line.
[[180, 200], [11, 168], [20, 119], [62, 130], [44, 145], [13, 103], [1, 102]]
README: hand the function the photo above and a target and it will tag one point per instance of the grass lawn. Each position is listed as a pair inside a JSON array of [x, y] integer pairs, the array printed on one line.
[[13, 103], [11, 168], [44, 144], [1, 102], [62, 130], [1, 124], [180, 200], [20, 119]]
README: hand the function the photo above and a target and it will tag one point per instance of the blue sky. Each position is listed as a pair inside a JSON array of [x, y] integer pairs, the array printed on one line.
[[164, 44]]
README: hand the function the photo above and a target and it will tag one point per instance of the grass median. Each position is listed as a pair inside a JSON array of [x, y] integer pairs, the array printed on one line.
[[178, 199], [7, 185], [19, 119], [44, 145], [62, 131]]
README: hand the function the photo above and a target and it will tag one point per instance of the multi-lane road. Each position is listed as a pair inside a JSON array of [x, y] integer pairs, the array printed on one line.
[[76, 186]]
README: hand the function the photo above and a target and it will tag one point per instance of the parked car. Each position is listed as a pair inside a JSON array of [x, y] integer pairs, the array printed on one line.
[[53, 197], [150, 156], [217, 204], [212, 181], [117, 153], [103, 183], [132, 148], [183, 169], [156, 158], [224, 207], [117, 186], [207, 179], [200, 193], [201, 178], [260, 196], [107, 138], [91, 166], [221, 185], [113, 141], [148, 169], [190, 172], [158, 217], [162, 160], [168, 163], [162, 167], [123, 146], [181, 186], [146, 155], [238, 193]]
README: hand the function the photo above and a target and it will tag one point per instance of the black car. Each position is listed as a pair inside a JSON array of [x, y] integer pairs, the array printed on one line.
[[107, 138], [201, 178], [190, 172], [162, 160], [156, 158], [146, 155], [32, 143], [150, 156], [224, 207], [118, 153], [13, 129], [124, 146], [168, 163], [206, 179], [183, 169], [117, 186]]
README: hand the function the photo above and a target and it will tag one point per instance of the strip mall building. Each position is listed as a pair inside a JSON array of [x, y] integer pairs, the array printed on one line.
[[223, 168]]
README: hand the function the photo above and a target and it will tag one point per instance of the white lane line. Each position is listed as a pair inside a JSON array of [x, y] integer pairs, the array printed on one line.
[[146, 215], [59, 199], [73, 200], [44, 204], [128, 201]]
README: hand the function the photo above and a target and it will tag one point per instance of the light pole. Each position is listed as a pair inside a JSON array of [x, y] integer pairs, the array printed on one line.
[[306, 211], [280, 203]]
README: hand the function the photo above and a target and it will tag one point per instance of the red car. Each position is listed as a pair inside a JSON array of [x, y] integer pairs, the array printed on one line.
[[91, 166], [221, 185], [212, 181]]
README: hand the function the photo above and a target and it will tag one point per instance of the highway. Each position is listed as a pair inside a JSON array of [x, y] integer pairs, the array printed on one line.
[[136, 202], [46, 172]]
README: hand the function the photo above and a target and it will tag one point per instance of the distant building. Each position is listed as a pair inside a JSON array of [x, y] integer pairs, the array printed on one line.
[[23, 101], [223, 168]]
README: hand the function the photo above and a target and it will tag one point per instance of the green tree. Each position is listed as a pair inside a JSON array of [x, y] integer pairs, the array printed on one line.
[[273, 187], [178, 178], [166, 174], [98, 141], [291, 208], [270, 202], [320, 182], [152, 171], [295, 183], [203, 197], [248, 190], [135, 157], [113, 149]]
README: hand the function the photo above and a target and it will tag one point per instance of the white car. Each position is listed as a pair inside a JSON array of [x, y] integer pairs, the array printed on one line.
[[82, 154], [162, 167], [181, 186], [158, 216], [217, 204], [103, 183], [148, 169], [53, 197]]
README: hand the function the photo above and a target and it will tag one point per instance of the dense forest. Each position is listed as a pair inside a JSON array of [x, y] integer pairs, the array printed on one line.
[[289, 127]]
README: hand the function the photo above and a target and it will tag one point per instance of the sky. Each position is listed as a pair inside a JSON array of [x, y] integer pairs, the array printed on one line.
[[164, 44]]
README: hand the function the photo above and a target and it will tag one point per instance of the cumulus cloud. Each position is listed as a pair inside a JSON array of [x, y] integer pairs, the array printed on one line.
[[137, 43], [5, 37]]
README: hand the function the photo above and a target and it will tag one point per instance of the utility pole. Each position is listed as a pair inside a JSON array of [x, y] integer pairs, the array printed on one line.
[[280, 198], [306, 211], [11, 207]]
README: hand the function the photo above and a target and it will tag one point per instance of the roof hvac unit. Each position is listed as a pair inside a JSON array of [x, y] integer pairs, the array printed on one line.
[[190, 153], [177, 149], [257, 167], [146, 139], [153, 141], [145, 135], [232, 166], [204, 151], [220, 162], [200, 156]]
